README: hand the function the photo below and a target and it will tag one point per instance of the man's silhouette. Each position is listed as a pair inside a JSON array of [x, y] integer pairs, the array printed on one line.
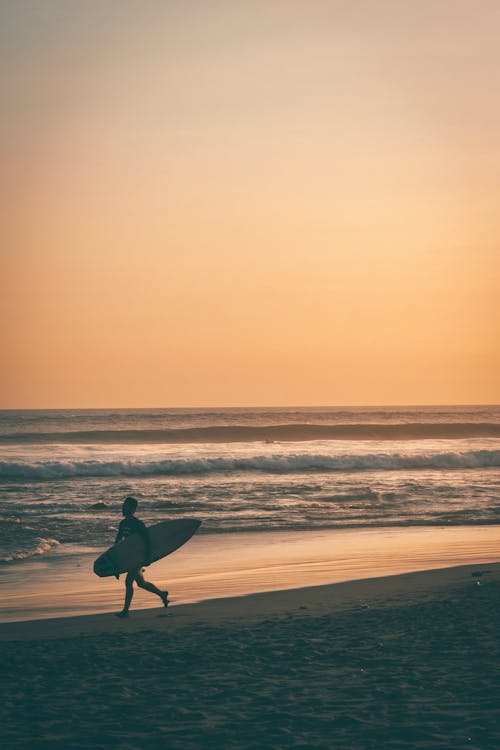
[[131, 525]]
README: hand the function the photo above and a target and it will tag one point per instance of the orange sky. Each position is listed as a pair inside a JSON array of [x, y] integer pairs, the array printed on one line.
[[249, 203]]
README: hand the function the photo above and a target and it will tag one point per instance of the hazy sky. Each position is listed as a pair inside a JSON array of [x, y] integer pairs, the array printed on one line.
[[249, 203]]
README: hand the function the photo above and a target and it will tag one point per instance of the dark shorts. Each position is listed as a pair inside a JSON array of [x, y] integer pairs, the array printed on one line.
[[136, 575]]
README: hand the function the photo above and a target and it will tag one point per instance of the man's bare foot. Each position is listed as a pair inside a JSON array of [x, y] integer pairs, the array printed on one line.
[[164, 598], [121, 614]]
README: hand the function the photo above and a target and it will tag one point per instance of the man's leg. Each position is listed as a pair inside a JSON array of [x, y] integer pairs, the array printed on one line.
[[129, 593], [151, 587]]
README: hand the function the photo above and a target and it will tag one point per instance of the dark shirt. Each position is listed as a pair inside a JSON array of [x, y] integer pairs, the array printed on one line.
[[131, 525]]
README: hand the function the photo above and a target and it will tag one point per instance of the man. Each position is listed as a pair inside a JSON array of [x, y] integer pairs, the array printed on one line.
[[131, 525]]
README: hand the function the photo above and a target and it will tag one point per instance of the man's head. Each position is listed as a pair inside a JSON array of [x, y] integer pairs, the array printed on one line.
[[129, 506]]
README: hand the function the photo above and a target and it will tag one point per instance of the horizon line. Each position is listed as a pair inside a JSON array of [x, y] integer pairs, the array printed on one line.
[[262, 406]]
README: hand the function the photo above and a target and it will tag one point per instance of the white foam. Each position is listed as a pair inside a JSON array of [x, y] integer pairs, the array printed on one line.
[[42, 546], [271, 463]]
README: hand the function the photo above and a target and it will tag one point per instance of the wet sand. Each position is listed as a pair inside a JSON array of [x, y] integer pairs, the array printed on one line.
[[214, 566], [403, 661]]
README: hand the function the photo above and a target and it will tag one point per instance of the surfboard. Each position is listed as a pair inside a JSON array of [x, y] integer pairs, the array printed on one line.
[[128, 554]]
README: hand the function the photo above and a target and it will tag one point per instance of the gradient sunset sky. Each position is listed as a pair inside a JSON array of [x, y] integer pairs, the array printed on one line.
[[224, 203]]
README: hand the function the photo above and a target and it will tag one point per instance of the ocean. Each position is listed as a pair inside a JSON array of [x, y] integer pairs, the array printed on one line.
[[64, 473]]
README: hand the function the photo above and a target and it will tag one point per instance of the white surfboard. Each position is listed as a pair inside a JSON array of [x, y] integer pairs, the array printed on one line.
[[128, 554]]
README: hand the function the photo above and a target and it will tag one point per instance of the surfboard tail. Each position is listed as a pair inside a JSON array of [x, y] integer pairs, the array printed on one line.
[[106, 565]]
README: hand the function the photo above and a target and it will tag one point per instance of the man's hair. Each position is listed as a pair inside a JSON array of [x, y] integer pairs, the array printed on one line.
[[131, 501]]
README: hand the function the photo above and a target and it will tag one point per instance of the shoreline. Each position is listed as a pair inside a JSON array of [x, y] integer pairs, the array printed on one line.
[[224, 566], [381, 591]]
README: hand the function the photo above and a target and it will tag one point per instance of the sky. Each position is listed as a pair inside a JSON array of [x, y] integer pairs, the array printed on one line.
[[238, 203]]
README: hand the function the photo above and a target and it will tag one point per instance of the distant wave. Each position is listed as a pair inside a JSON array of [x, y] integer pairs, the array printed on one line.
[[50, 470], [268, 433]]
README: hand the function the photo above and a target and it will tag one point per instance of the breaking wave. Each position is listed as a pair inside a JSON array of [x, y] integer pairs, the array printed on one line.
[[273, 464]]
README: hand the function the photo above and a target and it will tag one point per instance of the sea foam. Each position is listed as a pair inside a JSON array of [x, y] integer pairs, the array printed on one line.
[[273, 464]]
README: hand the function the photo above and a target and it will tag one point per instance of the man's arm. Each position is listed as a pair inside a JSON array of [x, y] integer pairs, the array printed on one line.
[[120, 533], [118, 537], [141, 528]]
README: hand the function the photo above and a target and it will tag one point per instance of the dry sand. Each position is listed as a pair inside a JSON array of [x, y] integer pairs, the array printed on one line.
[[408, 661]]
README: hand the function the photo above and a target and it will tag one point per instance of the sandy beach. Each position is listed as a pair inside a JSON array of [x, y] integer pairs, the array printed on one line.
[[393, 662]]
